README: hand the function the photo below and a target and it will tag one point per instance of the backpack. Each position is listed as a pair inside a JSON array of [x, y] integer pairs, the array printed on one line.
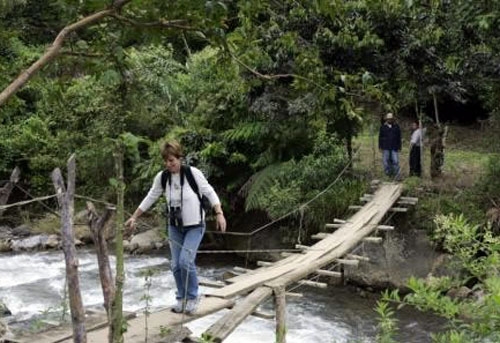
[[186, 171]]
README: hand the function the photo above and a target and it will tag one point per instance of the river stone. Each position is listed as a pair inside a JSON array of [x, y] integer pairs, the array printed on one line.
[[146, 241], [459, 293], [4, 310], [22, 231], [32, 243], [52, 242], [5, 245], [5, 232]]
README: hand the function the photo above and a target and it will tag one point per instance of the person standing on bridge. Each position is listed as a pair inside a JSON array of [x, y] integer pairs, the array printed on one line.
[[389, 143], [186, 220]]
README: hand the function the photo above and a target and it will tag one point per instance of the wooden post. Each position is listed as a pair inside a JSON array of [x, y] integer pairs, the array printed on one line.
[[7, 188], [280, 306], [65, 199], [117, 326], [97, 227]]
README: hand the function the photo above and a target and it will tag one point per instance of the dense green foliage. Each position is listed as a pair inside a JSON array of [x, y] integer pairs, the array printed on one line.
[[255, 90]]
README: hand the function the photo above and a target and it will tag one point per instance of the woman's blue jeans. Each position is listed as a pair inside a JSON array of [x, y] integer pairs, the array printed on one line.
[[184, 243]]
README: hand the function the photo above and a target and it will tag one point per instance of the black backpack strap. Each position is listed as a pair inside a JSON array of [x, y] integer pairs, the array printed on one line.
[[192, 182], [165, 177], [194, 186]]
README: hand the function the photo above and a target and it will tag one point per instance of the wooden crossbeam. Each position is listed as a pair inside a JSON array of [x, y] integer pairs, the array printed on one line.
[[408, 200], [348, 262], [323, 235], [312, 283], [385, 227], [211, 283], [241, 270], [328, 273], [399, 202], [378, 227], [377, 240], [392, 209], [358, 257], [264, 263]]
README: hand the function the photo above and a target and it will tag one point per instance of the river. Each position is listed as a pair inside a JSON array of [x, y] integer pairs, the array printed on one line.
[[33, 283]]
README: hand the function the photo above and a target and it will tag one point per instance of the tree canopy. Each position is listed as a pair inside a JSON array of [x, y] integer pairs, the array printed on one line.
[[250, 87]]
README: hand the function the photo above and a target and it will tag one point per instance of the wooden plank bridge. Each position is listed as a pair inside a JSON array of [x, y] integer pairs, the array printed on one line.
[[242, 294]]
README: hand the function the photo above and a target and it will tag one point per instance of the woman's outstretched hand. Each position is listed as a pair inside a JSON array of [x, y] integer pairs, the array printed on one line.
[[221, 222]]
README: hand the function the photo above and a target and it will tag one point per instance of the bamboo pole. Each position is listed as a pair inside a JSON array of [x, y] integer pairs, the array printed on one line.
[[65, 199]]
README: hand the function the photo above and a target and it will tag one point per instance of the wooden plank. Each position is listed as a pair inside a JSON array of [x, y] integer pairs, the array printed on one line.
[[224, 326]]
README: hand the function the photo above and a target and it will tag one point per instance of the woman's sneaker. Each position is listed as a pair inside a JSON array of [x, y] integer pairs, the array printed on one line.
[[192, 305], [178, 307]]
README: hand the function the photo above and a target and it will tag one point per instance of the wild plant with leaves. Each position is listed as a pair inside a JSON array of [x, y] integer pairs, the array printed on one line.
[[475, 318]]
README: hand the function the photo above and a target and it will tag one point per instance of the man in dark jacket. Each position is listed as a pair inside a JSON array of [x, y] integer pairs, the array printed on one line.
[[389, 142]]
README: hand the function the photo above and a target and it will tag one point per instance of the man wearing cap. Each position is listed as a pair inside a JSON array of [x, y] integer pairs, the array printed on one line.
[[389, 142]]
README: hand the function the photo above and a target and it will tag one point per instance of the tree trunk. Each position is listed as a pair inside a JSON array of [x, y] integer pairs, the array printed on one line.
[[7, 188], [97, 227], [65, 198], [55, 48], [436, 111], [116, 329], [348, 142]]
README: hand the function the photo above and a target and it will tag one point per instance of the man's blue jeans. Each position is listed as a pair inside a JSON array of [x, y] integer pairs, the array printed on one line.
[[184, 243], [390, 159]]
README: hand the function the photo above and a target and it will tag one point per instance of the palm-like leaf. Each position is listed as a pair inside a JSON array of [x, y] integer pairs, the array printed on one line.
[[260, 183]]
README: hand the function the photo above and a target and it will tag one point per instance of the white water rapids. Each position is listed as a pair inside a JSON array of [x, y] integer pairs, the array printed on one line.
[[33, 283]]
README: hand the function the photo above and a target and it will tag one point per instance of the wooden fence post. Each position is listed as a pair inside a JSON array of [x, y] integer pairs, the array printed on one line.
[[97, 227], [7, 188], [280, 307], [65, 199]]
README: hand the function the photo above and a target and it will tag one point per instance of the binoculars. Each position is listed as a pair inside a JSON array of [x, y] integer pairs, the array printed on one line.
[[175, 216]]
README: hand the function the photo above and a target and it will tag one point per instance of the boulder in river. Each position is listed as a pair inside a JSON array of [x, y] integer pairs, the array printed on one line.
[[4, 310], [37, 242], [145, 242]]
